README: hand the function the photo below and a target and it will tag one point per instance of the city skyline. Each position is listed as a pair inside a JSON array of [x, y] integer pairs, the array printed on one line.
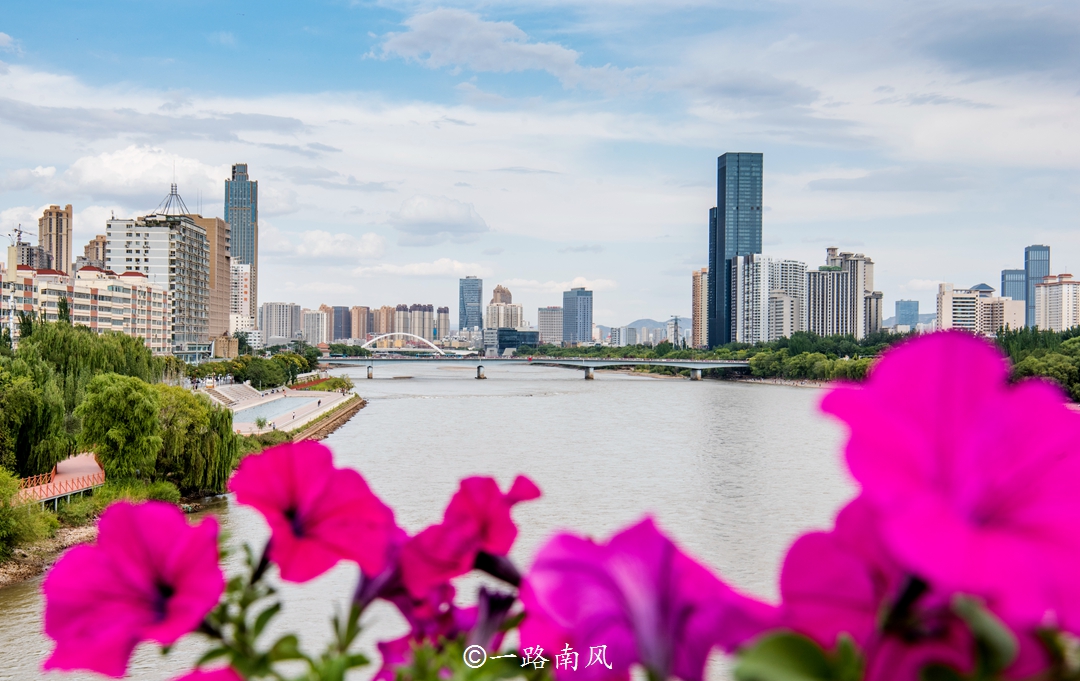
[[905, 152]]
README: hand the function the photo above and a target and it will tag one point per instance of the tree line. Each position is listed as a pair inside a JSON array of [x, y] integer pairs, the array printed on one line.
[[67, 389]]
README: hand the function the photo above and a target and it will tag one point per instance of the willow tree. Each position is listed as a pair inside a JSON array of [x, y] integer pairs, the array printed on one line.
[[120, 424]]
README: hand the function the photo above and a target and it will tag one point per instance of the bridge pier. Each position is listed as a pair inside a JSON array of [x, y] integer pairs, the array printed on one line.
[[589, 374], [480, 372], [695, 374], [370, 372]]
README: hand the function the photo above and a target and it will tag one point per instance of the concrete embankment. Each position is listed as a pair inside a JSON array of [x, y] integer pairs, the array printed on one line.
[[332, 421]]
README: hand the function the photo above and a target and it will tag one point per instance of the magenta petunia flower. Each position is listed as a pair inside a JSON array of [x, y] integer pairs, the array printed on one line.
[[642, 598], [973, 479], [220, 674], [843, 581], [477, 519], [149, 577], [318, 514]]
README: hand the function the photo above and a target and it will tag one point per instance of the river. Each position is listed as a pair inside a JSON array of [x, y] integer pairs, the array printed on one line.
[[732, 471]]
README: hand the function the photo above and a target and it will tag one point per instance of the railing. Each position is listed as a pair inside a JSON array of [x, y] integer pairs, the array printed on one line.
[[35, 480], [58, 488]]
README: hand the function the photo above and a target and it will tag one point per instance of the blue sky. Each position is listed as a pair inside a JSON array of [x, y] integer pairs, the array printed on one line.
[[399, 146]]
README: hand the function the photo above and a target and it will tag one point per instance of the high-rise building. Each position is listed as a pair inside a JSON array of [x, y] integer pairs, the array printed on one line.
[[1057, 303], [977, 309], [549, 323], [622, 336], [34, 257], [734, 230], [501, 294], [442, 323], [785, 313], [314, 325], [217, 234], [242, 214], [749, 298], [470, 303], [504, 316], [360, 321], [577, 316], [422, 321], [788, 278], [384, 320], [699, 298], [93, 254], [173, 251], [1014, 284], [341, 323], [402, 319], [907, 313], [856, 310], [280, 323], [240, 289], [54, 235], [1036, 268]]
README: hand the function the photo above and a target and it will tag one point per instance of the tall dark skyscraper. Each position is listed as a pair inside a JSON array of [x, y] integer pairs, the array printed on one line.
[[1014, 284], [1036, 266], [734, 230], [470, 303], [577, 316], [341, 324], [242, 214]]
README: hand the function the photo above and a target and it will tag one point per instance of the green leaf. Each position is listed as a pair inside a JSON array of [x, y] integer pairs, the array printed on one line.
[[997, 645], [356, 660], [264, 618], [211, 655], [784, 657], [286, 648]]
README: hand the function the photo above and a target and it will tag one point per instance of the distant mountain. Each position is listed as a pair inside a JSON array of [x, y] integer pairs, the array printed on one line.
[[923, 319]]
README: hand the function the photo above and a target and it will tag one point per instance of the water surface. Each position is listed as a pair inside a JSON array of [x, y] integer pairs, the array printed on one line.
[[733, 471]]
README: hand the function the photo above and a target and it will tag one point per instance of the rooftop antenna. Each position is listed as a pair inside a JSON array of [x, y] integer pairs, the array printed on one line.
[[172, 204]]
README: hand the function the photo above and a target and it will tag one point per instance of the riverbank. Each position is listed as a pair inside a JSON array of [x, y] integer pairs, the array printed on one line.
[[795, 383], [32, 560]]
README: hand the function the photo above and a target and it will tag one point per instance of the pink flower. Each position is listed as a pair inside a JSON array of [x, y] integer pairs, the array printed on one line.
[[222, 674], [844, 582], [974, 480], [476, 520], [318, 514], [640, 596], [150, 576]]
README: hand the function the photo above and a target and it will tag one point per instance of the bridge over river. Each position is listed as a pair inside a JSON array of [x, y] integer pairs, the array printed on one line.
[[586, 364]]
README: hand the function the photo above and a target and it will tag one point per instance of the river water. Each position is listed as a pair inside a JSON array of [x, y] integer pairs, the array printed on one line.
[[732, 471]]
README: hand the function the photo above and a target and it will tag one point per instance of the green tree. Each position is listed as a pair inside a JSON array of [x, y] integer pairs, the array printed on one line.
[[265, 373], [242, 345], [63, 310], [120, 423]]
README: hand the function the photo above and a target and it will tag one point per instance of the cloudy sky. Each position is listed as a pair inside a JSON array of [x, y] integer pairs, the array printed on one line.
[[401, 145]]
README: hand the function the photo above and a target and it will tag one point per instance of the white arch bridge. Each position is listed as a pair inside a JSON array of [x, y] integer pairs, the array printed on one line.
[[586, 364], [399, 334]]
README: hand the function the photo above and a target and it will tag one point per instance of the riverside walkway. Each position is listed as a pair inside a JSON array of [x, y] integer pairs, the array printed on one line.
[[75, 475], [586, 364]]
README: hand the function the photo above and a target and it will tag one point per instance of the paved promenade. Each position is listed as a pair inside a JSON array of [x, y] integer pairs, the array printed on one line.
[[296, 418]]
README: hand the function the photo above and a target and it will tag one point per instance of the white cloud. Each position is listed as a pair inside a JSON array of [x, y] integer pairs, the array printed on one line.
[[426, 220], [456, 38], [8, 44], [141, 174], [24, 178], [559, 286], [443, 267], [319, 244]]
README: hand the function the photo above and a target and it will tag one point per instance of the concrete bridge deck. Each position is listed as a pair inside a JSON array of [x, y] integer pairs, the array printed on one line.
[[588, 364]]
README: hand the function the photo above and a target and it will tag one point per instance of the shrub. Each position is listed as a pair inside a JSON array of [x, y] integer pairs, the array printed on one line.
[[20, 524], [163, 491], [79, 512]]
